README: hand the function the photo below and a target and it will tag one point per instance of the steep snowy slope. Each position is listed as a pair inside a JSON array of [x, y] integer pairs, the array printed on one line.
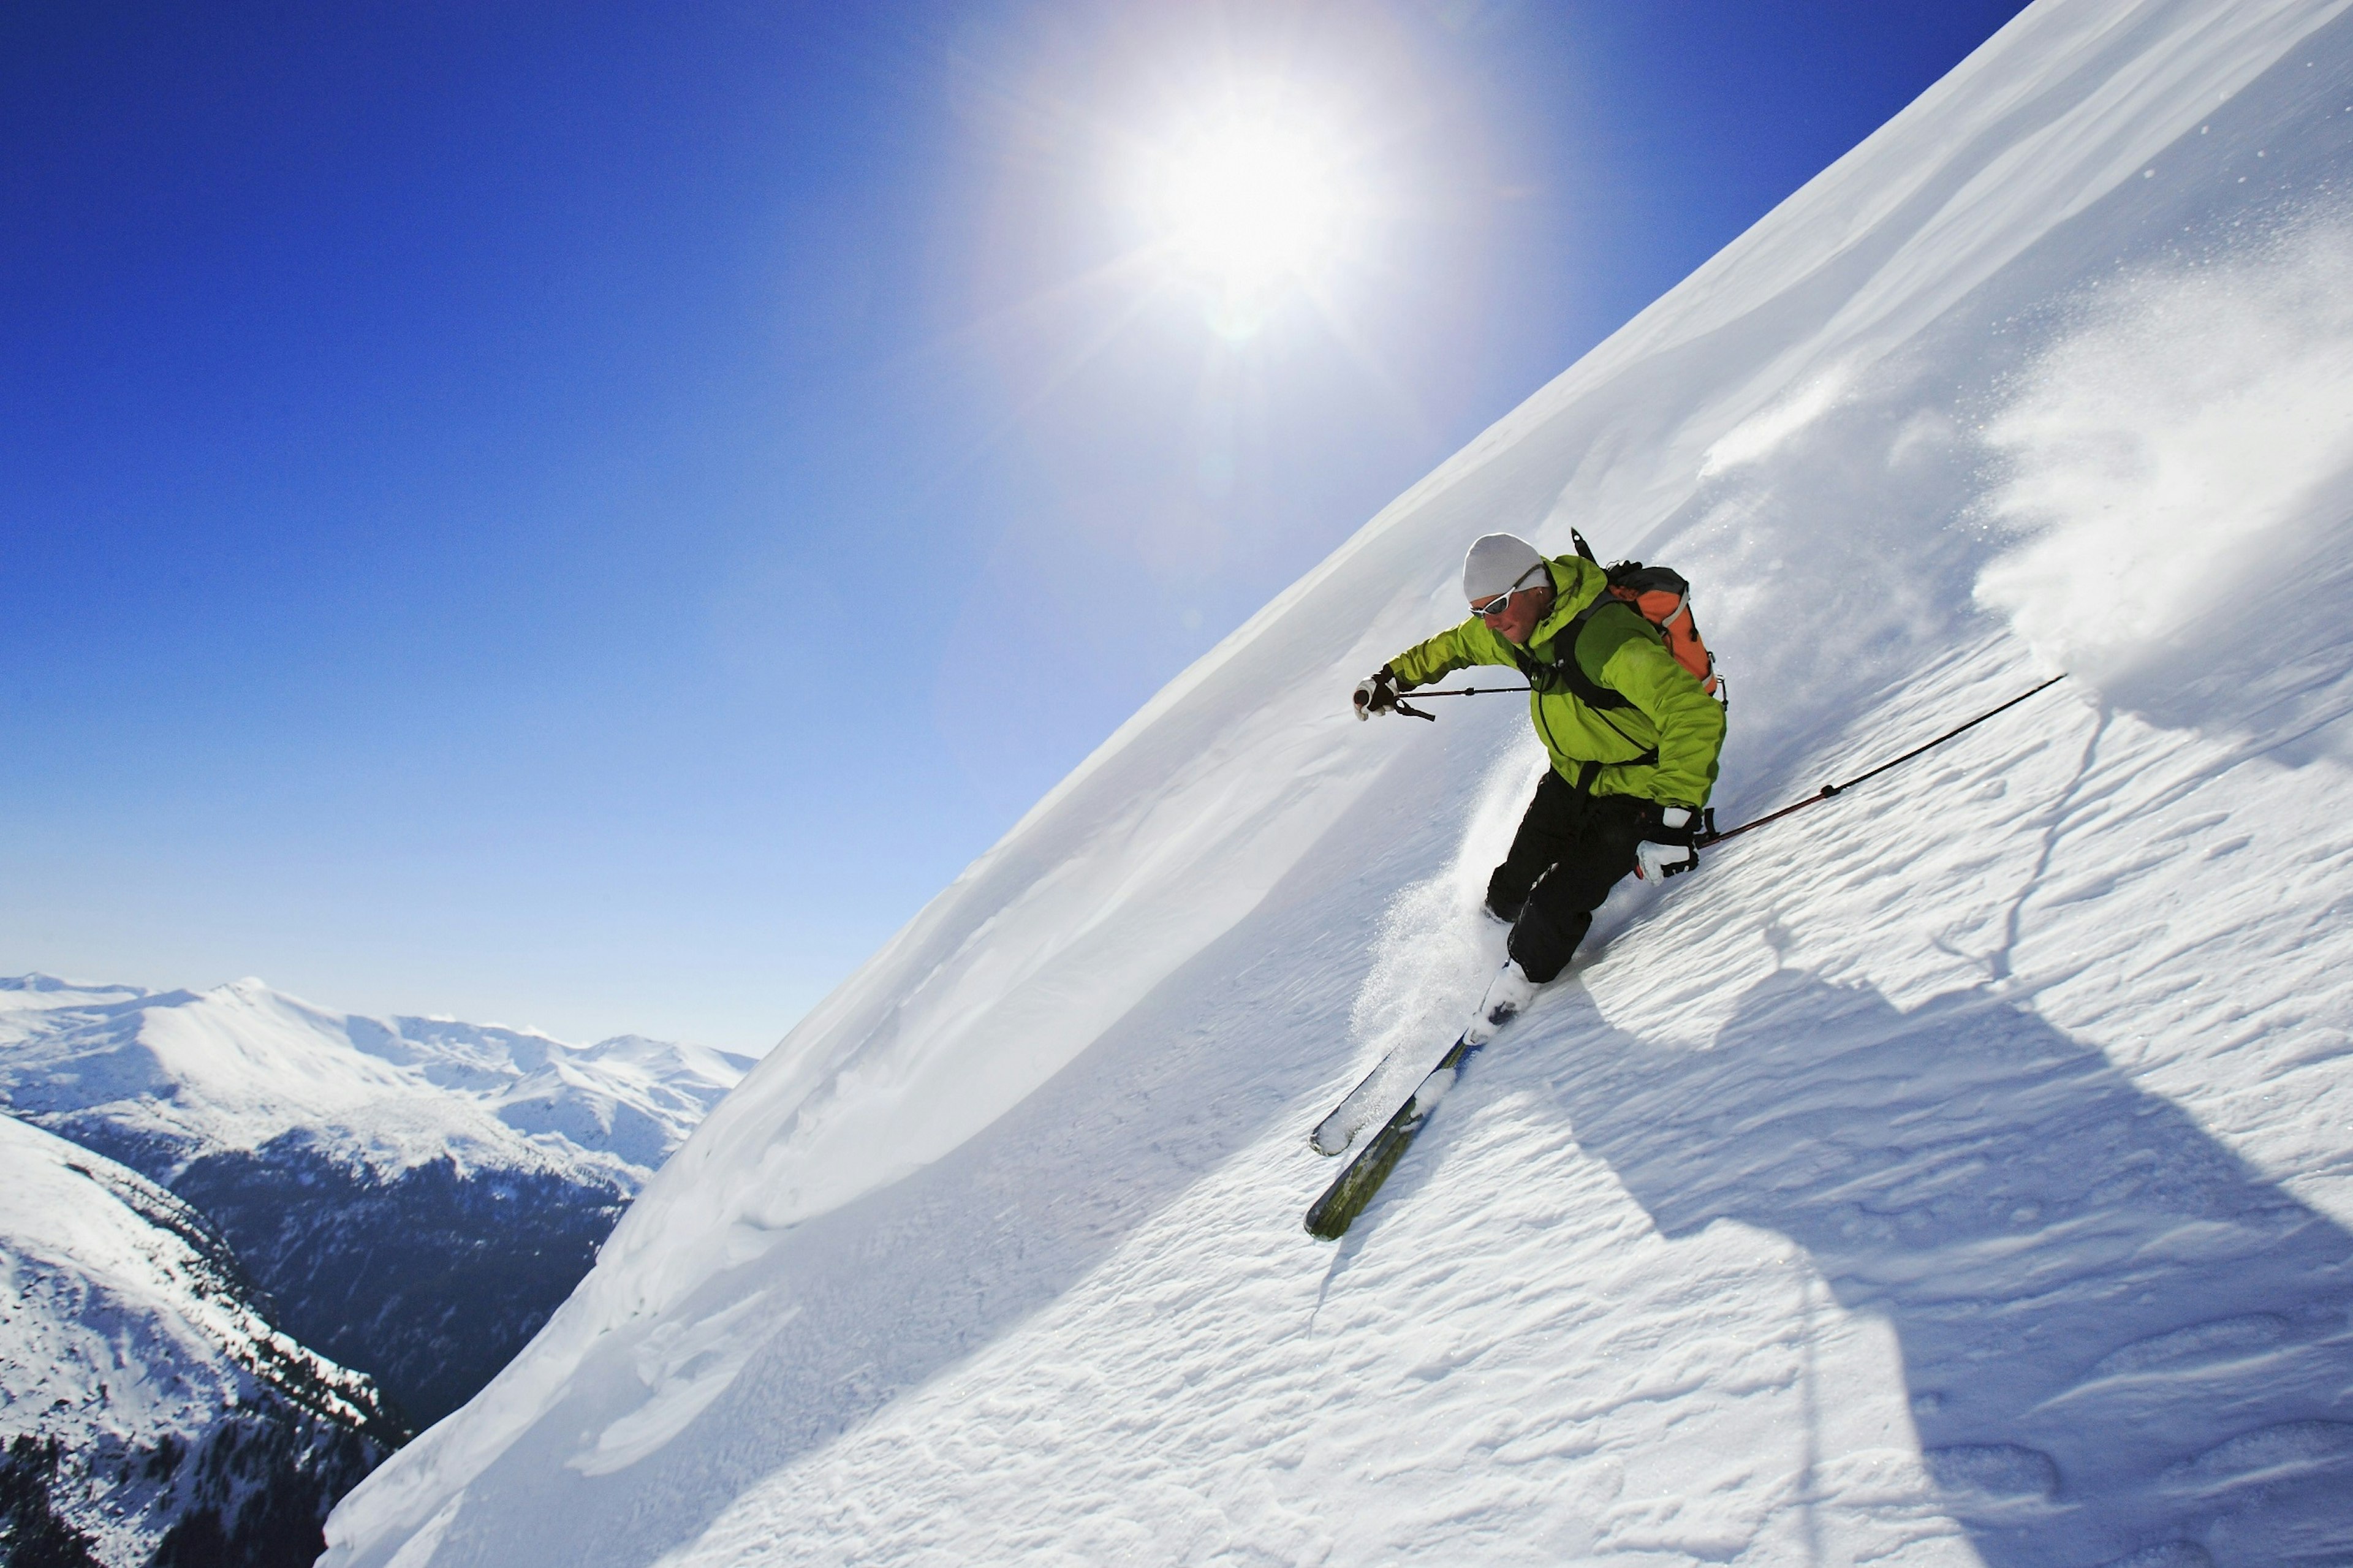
[[144, 1400], [414, 1195], [1955, 1172]]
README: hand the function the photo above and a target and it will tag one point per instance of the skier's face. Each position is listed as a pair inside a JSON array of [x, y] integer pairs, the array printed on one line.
[[1519, 614]]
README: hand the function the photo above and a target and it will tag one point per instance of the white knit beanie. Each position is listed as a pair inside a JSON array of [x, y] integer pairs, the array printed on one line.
[[1496, 564]]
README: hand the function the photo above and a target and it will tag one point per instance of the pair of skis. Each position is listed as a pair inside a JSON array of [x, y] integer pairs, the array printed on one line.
[[1329, 1216]]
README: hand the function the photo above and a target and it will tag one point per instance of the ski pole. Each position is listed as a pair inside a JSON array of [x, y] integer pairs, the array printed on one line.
[[1829, 790], [1410, 712], [1474, 691]]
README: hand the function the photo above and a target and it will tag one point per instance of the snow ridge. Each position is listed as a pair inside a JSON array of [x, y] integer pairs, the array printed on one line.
[[1954, 1174], [127, 1333], [238, 1066]]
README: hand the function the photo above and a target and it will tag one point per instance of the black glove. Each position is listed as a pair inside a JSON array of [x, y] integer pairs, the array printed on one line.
[[1375, 694], [1666, 849]]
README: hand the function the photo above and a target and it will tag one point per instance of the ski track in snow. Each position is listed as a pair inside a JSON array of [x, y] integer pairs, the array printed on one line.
[[1956, 1173]]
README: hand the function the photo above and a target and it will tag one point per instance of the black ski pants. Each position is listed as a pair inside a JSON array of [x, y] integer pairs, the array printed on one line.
[[1571, 849]]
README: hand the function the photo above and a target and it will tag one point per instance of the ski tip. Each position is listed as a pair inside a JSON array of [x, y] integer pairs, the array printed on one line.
[[1328, 1144]]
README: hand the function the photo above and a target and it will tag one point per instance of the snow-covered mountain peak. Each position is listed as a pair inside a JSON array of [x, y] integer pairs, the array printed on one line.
[[414, 1195], [39, 989], [239, 1065]]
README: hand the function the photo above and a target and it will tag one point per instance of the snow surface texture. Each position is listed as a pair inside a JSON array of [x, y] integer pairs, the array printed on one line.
[[125, 1334], [1955, 1172], [234, 1067]]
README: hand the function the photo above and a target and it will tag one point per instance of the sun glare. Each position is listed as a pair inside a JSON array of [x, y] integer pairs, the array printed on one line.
[[1252, 203]]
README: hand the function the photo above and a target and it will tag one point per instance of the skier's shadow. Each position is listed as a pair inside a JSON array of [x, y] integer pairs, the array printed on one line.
[[2116, 1334]]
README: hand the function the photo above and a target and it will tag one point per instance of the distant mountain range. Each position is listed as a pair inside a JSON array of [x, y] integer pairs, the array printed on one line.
[[266, 1199]]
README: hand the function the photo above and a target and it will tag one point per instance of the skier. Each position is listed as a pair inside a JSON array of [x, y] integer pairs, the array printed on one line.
[[1632, 734]]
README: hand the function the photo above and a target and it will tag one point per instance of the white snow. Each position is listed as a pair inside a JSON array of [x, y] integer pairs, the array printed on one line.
[[1954, 1172], [235, 1067], [2173, 452], [117, 1334]]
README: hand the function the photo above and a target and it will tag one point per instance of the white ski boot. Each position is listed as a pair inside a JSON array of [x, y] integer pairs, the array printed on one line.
[[1508, 996]]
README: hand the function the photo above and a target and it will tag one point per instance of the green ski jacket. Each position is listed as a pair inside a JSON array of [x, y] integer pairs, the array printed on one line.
[[1663, 747]]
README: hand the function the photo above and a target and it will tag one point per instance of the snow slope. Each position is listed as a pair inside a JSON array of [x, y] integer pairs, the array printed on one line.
[[1955, 1172], [127, 1336]]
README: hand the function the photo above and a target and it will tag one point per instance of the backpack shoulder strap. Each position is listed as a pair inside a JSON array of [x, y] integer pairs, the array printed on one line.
[[1566, 672]]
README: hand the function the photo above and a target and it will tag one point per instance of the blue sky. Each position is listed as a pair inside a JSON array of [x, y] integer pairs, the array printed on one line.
[[586, 515]]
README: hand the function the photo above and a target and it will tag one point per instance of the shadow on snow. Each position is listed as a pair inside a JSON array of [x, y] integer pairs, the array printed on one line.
[[2122, 1343]]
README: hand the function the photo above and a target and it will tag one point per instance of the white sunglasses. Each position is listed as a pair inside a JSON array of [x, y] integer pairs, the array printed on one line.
[[1495, 606]]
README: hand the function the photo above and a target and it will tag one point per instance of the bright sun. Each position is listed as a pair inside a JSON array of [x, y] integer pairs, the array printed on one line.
[[1251, 202]]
